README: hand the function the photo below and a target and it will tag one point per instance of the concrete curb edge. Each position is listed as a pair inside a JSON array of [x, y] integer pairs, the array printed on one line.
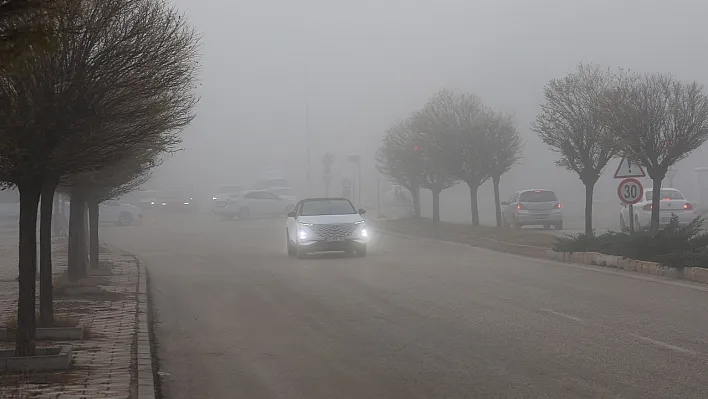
[[145, 373], [694, 274]]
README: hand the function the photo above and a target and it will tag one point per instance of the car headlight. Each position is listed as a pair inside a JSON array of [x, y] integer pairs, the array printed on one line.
[[214, 198], [186, 203], [152, 203], [302, 234], [164, 203], [364, 233]]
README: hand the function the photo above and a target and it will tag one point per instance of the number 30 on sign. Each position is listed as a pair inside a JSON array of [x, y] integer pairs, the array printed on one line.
[[630, 191]]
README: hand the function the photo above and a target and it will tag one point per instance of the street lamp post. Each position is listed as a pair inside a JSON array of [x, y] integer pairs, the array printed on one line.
[[356, 159]]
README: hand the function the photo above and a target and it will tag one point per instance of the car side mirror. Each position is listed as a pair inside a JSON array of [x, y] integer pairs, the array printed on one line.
[[291, 214], [362, 211], [505, 203]]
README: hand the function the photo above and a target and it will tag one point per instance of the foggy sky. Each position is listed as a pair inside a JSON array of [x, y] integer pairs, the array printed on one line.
[[370, 63]]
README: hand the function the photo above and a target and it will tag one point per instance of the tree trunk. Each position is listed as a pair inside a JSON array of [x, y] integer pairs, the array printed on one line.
[[29, 201], [56, 229], [77, 236], [589, 189], [436, 206], [497, 200], [415, 193], [474, 205], [46, 294], [93, 234], [656, 203]]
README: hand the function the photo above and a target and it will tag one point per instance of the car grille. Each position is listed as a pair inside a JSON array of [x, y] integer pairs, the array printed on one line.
[[334, 230]]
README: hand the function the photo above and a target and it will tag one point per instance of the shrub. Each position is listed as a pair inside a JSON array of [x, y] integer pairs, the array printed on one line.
[[674, 245]]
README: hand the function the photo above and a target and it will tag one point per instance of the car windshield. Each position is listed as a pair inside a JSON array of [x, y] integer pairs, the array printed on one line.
[[538, 196], [666, 195], [327, 207]]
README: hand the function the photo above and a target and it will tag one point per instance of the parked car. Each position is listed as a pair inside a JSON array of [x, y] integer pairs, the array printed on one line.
[[119, 213], [224, 192], [326, 224], [535, 207], [147, 199], [176, 201], [284, 192], [253, 203], [672, 202]]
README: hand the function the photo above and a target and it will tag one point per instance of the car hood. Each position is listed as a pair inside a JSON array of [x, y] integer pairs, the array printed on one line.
[[330, 219]]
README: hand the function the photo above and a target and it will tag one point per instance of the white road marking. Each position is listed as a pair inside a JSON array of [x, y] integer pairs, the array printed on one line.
[[567, 316], [662, 344]]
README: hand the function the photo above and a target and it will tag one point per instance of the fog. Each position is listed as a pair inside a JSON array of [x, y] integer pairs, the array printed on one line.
[[359, 67]]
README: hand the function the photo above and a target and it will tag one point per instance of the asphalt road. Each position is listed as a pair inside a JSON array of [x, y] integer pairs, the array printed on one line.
[[237, 318]]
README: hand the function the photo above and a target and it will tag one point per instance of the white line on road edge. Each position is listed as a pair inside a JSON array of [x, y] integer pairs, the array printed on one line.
[[567, 316], [662, 344]]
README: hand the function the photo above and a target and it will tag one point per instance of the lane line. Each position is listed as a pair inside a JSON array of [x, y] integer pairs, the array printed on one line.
[[567, 316], [662, 344]]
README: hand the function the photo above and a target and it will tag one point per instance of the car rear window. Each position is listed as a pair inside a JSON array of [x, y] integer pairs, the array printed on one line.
[[538, 196], [327, 207], [670, 194]]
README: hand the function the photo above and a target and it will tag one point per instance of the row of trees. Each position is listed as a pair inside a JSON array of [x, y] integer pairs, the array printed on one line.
[[595, 114], [88, 108], [453, 138]]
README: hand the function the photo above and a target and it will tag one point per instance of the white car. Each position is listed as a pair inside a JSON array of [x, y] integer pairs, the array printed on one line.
[[326, 224], [118, 213], [284, 192], [672, 202], [253, 203]]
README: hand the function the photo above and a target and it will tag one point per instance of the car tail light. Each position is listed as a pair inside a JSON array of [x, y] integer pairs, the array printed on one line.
[[647, 207], [557, 205], [687, 206], [520, 207], [666, 199]]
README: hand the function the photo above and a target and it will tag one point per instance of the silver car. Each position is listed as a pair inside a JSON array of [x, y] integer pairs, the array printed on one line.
[[535, 207], [672, 203]]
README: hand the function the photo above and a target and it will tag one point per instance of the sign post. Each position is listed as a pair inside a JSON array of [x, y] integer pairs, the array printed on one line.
[[629, 171], [630, 191]]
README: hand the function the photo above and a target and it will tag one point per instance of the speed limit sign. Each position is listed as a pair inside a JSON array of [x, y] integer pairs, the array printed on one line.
[[630, 191]]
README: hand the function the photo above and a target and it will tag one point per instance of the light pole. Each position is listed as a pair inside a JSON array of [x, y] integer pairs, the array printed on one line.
[[308, 149], [356, 159]]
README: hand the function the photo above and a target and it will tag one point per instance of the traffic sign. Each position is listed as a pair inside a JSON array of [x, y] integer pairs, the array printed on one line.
[[627, 169], [630, 191]]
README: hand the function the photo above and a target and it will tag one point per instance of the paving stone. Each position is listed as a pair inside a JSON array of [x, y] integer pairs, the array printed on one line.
[[102, 364]]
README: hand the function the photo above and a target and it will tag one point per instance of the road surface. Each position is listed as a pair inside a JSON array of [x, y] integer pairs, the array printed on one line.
[[237, 318]]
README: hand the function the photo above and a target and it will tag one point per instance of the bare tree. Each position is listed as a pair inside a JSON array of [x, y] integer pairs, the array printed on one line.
[[126, 68], [572, 123], [503, 150], [658, 121], [450, 126], [398, 158], [113, 182], [24, 25]]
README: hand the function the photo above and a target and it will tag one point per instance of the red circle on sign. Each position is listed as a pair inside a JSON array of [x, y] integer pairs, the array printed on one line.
[[640, 190]]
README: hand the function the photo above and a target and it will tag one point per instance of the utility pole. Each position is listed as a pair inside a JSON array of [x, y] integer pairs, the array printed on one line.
[[307, 129]]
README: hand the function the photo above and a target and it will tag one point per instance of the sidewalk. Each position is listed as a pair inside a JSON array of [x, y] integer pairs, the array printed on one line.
[[106, 362]]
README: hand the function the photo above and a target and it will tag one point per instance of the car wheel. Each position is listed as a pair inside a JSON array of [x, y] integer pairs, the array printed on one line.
[[125, 219], [292, 251], [361, 251], [559, 226], [244, 213], [301, 252]]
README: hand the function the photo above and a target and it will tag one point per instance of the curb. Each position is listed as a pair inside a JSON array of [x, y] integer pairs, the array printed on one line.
[[145, 374], [695, 274]]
